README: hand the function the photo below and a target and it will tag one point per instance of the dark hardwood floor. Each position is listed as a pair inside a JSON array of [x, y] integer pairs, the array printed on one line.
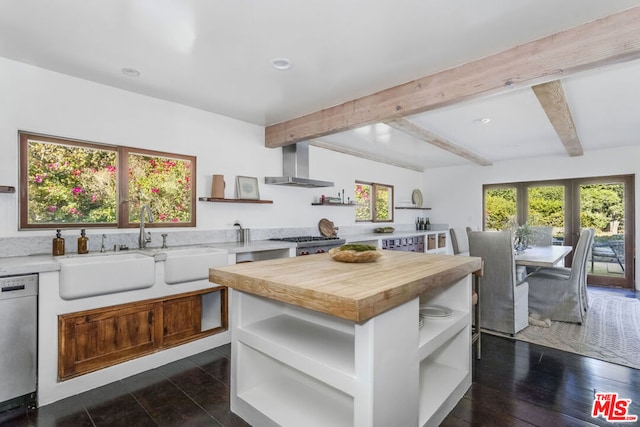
[[515, 384]]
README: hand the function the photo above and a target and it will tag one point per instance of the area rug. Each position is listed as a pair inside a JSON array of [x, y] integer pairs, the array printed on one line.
[[610, 333]]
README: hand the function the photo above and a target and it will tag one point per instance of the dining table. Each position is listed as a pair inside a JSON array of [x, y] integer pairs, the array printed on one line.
[[542, 256]]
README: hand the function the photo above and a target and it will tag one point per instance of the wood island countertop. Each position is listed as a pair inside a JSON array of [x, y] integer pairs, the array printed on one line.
[[351, 291]]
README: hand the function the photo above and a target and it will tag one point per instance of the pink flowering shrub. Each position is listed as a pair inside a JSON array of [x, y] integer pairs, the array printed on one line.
[[71, 184]]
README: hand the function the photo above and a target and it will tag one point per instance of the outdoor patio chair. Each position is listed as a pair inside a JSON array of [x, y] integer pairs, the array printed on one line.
[[560, 293], [504, 301]]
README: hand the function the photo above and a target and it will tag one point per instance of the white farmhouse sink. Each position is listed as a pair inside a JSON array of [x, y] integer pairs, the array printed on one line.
[[187, 265], [86, 276]]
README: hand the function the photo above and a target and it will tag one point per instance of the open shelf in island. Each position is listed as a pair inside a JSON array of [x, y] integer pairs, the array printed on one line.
[[298, 360]]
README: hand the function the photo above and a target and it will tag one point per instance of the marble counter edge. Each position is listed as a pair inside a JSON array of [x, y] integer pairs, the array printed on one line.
[[30, 264], [253, 246], [383, 236], [42, 263]]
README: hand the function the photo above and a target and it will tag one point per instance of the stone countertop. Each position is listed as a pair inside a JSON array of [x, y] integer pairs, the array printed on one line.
[[395, 235], [252, 246], [352, 291], [28, 264], [42, 263]]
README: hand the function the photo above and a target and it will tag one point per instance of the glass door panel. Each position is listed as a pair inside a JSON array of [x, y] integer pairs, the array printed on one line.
[[546, 208], [500, 206], [603, 208], [605, 204]]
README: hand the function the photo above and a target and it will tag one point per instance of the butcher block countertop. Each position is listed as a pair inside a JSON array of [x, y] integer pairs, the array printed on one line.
[[351, 291]]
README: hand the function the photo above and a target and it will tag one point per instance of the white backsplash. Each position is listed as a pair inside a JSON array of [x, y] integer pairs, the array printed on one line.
[[37, 245]]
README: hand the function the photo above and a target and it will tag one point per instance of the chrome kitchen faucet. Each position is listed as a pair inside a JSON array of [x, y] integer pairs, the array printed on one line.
[[144, 238]]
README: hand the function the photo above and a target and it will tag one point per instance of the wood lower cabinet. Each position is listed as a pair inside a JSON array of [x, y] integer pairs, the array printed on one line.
[[181, 318], [95, 339]]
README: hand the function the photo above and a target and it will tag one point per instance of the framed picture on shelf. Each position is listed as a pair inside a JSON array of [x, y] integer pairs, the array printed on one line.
[[247, 187]]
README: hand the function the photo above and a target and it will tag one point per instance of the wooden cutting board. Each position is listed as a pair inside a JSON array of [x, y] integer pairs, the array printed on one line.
[[327, 229]]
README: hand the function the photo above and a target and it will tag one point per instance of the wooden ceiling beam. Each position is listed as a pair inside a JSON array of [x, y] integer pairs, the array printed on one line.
[[553, 102], [615, 38], [410, 128]]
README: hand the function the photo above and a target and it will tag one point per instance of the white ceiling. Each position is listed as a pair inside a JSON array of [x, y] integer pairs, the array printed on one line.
[[214, 55]]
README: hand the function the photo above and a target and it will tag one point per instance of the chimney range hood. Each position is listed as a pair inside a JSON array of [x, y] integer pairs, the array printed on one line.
[[295, 168]]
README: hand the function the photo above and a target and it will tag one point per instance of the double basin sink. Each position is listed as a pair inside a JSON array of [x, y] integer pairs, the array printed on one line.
[[99, 274]]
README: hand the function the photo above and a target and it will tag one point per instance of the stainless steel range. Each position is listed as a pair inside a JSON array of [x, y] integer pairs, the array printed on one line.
[[308, 245]]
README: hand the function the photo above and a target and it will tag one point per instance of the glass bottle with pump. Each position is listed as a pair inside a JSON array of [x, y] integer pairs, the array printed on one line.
[[83, 240], [58, 244]]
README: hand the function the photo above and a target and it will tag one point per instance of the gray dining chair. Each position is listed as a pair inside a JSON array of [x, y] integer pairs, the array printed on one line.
[[460, 245], [560, 293], [459, 240], [504, 301], [542, 235]]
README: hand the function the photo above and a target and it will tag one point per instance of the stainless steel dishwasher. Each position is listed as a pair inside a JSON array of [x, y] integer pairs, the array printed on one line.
[[18, 340]]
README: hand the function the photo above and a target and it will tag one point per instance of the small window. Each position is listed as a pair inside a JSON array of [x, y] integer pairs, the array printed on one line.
[[67, 183], [374, 202]]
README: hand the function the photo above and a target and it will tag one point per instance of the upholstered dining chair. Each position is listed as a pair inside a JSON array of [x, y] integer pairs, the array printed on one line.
[[542, 236], [460, 245], [560, 293], [504, 301], [459, 240]]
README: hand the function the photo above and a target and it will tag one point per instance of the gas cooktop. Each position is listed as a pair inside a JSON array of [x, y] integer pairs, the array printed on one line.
[[307, 245]]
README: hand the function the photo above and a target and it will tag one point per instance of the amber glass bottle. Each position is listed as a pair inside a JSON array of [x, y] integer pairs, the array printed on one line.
[[58, 244], [83, 240]]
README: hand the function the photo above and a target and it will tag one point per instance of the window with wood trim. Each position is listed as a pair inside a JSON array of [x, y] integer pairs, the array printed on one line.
[[374, 202], [604, 203], [77, 184]]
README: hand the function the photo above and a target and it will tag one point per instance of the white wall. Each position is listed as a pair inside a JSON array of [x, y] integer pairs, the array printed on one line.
[[42, 101], [456, 192]]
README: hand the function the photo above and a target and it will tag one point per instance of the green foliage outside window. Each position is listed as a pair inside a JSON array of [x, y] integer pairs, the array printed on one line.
[[76, 183], [164, 184], [363, 202], [374, 202], [68, 184], [500, 208], [601, 205], [546, 206], [382, 204]]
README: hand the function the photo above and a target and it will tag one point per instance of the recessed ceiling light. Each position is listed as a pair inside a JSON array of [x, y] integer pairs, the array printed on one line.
[[281, 63], [130, 72], [482, 121]]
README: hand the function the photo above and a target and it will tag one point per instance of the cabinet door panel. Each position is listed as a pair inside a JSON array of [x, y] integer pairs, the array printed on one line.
[[181, 319], [100, 338], [95, 339]]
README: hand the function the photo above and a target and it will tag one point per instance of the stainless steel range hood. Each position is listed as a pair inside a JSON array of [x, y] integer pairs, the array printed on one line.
[[295, 168]]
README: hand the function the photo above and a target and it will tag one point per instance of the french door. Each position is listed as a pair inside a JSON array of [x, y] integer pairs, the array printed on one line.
[[605, 204]]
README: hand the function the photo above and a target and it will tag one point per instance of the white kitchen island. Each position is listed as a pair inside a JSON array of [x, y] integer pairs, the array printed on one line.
[[317, 342]]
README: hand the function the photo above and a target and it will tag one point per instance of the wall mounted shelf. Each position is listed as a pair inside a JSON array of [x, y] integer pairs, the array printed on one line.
[[333, 204], [414, 208], [211, 199]]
